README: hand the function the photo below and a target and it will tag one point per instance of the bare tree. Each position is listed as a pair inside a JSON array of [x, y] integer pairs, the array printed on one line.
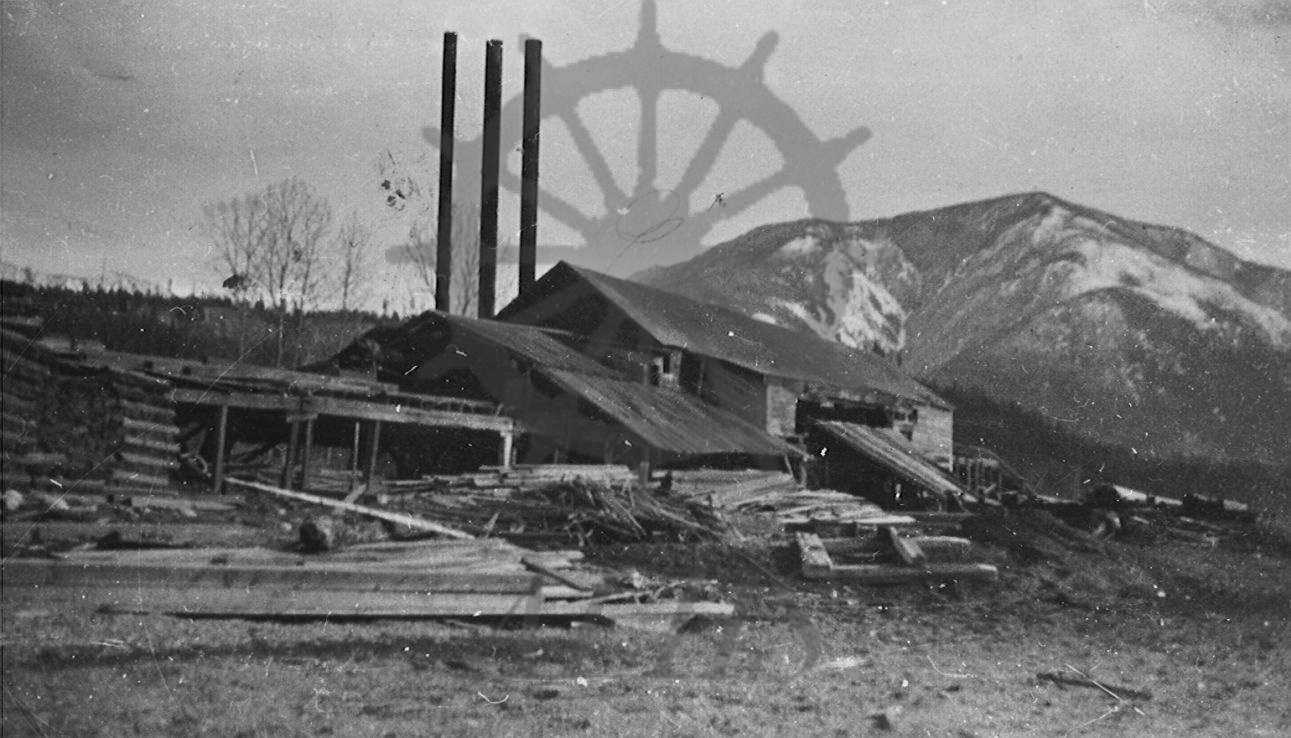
[[354, 261], [273, 242]]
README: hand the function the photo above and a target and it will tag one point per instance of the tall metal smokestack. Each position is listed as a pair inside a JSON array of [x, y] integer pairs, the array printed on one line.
[[489, 177], [444, 237], [529, 163]]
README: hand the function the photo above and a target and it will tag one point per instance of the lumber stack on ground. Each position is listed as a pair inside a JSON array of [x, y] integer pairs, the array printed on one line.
[[484, 579]]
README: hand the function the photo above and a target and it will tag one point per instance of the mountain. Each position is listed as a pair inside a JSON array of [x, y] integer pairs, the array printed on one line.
[[1140, 335]]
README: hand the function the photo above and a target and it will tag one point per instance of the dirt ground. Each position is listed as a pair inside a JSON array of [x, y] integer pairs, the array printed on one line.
[[1197, 637]]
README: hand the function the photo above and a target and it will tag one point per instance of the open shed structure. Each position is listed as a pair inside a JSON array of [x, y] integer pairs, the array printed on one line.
[[221, 408]]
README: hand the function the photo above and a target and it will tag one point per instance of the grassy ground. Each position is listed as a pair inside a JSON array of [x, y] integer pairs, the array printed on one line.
[[1203, 631]]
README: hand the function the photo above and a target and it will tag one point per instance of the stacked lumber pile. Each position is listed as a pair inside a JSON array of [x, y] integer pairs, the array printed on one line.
[[725, 489], [483, 581]]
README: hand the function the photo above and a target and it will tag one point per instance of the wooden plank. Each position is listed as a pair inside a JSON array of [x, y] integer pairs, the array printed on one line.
[[815, 559], [908, 551], [97, 574], [175, 502], [541, 567], [943, 548], [398, 518], [295, 603], [138, 531], [892, 574], [657, 616]]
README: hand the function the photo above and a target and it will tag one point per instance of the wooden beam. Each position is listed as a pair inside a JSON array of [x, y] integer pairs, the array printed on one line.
[[876, 574], [295, 603], [221, 442], [384, 410], [533, 564], [910, 553], [397, 518], [815, 559], [374, 444]]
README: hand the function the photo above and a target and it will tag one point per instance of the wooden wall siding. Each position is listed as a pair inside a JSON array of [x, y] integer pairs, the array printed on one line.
[[933, 435], [781, 406], [737, 390]]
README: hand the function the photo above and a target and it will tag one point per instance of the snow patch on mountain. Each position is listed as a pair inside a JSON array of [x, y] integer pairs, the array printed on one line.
[[799, 246], [1180, 291]]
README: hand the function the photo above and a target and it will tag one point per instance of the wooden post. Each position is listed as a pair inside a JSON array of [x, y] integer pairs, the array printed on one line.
[[221, 437], [354, 450], [305, 452], [374, 442], [293, 439], [508, 449]]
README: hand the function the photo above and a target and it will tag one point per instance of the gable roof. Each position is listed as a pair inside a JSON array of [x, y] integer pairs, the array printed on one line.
[[668, 420], [722, 333]]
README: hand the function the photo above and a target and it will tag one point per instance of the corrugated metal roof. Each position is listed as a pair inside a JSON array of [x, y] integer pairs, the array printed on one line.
[[893, 452], [669, 420], [719, 332]]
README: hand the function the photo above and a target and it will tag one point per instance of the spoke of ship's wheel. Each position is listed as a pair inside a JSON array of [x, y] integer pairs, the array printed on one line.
[[613, 197], [706, 155], [737, 202], [648, 143], [564, 212], [555, 207]]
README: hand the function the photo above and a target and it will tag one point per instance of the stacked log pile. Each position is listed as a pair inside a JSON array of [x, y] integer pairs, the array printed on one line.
[[67, 426], [25, 377]]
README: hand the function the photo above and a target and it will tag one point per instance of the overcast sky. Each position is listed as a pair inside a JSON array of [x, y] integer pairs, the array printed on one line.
[[121, 119]]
